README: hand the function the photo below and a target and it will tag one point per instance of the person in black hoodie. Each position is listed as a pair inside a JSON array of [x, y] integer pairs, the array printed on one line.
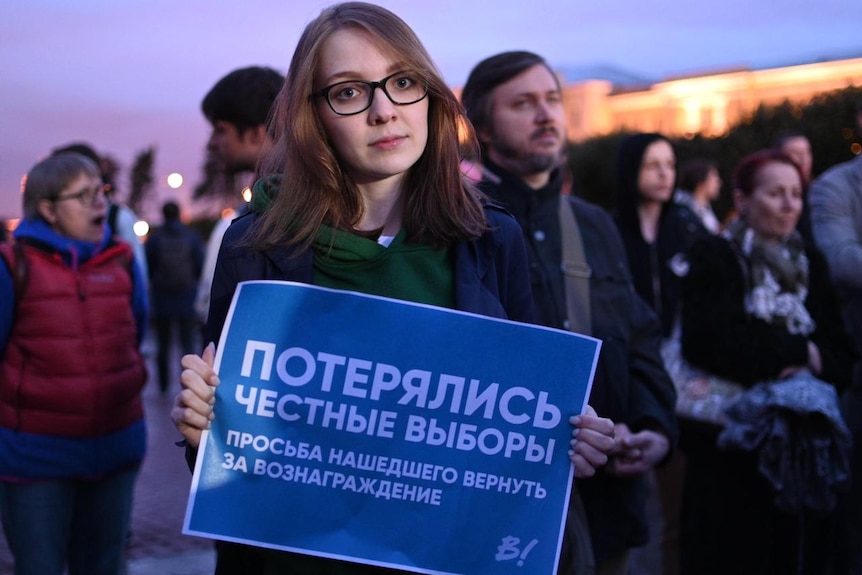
[[656, 232]]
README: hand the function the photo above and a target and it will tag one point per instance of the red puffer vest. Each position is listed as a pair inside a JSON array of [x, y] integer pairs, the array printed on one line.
[[72, 367]]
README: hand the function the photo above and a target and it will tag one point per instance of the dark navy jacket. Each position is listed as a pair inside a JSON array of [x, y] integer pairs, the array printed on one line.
[[490, 279], [490, 273]]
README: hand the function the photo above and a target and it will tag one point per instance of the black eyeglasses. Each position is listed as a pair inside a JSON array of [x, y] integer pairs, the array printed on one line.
[[86, 196], [355, 96]]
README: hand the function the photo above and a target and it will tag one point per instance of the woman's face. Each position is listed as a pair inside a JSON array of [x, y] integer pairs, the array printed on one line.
[[657, 172], [384, 141], [773, 208], [75, 217]]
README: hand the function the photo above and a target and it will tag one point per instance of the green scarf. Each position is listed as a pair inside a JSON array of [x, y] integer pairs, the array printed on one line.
[[407, 271], [263, 192]]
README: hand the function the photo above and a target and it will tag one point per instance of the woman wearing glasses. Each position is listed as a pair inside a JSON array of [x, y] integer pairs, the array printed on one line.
[[72, 436], [371, 199]]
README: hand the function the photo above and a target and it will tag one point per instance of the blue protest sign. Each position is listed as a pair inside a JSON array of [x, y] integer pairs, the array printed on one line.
[[395, 434]]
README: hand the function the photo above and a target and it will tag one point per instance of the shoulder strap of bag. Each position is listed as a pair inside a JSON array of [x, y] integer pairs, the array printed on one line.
[[18, 267], [113, 210], [576, 271], [578, 558]]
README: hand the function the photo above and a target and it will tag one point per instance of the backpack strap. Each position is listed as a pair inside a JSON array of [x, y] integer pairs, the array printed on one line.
[[113, 209], [576, 271], [19, 269]]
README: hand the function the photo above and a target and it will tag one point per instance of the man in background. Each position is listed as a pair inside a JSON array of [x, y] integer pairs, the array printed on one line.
[[514, 101], [237, 108], [796, 146]]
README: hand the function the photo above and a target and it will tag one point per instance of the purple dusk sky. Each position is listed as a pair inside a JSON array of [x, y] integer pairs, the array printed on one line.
[[130, 74]]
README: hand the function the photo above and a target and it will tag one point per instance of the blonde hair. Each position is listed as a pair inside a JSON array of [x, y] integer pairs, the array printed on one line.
[[441, 205]]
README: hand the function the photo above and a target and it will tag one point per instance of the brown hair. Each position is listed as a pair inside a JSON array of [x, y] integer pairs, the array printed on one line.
[[441, 206]]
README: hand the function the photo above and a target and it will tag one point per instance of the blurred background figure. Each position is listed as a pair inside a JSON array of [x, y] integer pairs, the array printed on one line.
[[836, 218], [699, 186], [72, 429], [175, 258], [759, 306], [237, 108], [656, 232], [796, 146]]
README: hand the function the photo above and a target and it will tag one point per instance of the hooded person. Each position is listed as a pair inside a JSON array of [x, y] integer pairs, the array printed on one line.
[[655, 231]]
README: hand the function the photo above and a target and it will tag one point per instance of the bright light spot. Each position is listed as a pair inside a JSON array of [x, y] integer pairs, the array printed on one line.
[[246, 194], [175, 180], [141, 228]]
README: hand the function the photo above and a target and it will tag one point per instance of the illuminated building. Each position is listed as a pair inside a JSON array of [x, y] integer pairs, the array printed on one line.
[[708, 104]]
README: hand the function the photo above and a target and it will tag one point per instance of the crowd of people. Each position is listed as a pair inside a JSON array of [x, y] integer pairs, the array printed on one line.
[[358, 177]]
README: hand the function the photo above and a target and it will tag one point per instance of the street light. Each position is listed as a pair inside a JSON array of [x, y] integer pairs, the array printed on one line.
[[175, 180]]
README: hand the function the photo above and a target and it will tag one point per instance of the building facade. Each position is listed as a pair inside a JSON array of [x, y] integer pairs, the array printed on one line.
[[706, 104]]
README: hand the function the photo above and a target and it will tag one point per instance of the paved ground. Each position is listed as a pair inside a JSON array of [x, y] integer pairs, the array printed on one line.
[[158, 546]]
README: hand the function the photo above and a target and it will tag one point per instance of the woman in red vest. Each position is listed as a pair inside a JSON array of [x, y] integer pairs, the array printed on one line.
[[72, 435]]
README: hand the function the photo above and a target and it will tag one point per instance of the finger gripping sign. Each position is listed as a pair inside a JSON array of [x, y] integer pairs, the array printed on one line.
[[394, 434]]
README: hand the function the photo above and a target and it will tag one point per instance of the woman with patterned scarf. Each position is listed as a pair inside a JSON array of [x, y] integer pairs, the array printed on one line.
[[757, 306]]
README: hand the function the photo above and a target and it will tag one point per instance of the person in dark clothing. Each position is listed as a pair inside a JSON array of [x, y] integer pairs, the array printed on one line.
[[836, 218], [237, 108], [371, 195], [656, 232], [174, 258], [758, 306], [514, 101]]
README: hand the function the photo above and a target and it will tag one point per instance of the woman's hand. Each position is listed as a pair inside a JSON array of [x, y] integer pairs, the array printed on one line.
[[592, 441], [193, 406], [814, 365]]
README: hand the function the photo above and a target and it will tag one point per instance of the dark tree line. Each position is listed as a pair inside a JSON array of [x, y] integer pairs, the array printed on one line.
[[141, 178]]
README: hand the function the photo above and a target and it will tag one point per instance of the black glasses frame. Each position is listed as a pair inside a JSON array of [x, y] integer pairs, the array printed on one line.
[[372, 87]]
